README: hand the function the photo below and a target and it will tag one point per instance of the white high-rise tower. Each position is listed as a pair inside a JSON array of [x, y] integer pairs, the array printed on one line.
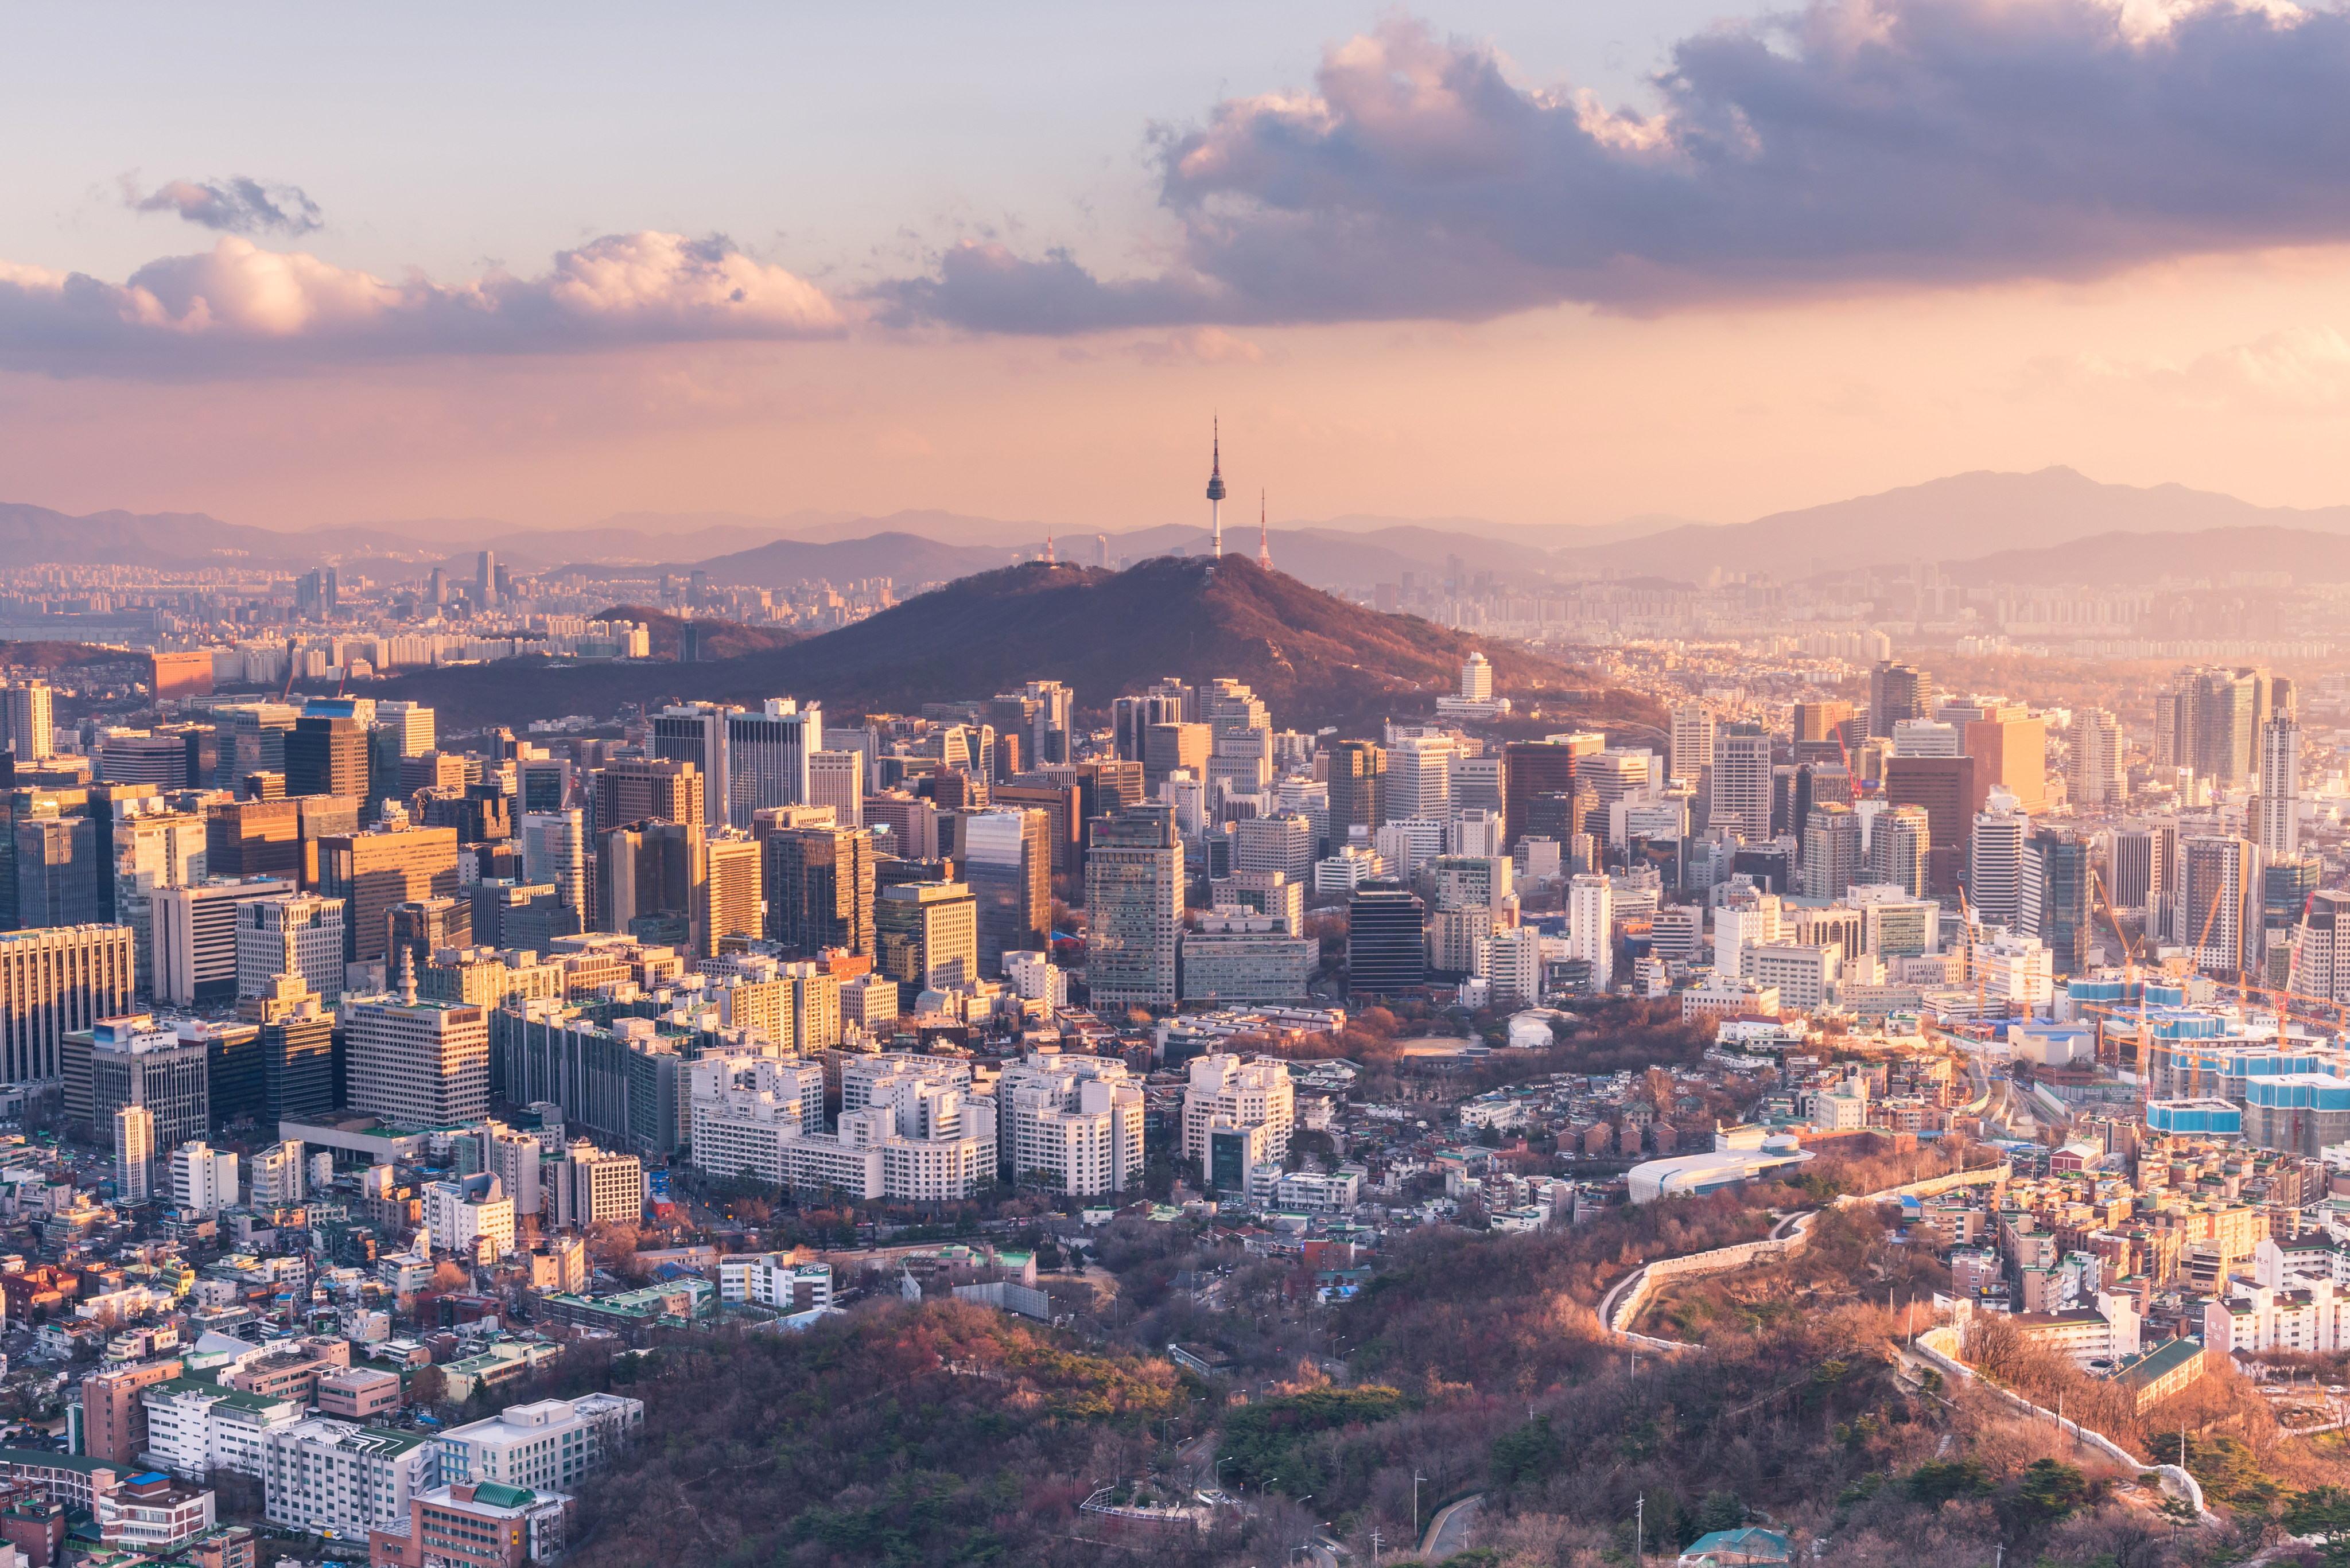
[[2278, 827], [1216, 493]]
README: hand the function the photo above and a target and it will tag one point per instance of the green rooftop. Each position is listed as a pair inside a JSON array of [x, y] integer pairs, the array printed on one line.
[[499, 1495]]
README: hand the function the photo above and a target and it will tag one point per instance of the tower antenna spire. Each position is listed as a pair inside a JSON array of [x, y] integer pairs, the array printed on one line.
[[1216, 489], [1263, 540]]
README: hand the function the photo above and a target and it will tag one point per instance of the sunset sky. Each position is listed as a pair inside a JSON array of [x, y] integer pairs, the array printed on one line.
[[1533, 264]]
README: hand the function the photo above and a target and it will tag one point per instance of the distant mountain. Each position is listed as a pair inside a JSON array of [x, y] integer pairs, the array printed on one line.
[[1314, 659], [902, 557], [1960, 518], [2133, 559], [33, 536]]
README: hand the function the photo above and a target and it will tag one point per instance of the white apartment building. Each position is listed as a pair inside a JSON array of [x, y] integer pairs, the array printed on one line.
[[204, 1179], [278, 1175], [1802, 975], [1591, 927], [1509, 962], [908, 1127], [744, 1108], [1252, 1093], [772, 1280], [319, 1475], [473, 1219], [1073, 1123], [195, 1427], [550, 1445]]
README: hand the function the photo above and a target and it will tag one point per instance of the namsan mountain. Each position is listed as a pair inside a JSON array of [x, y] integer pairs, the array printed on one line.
[[1315, 659]]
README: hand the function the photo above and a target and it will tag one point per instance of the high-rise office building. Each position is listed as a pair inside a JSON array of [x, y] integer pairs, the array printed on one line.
[[2209, 722], [1167, 748], [542, 783], [377, 870], [1386, 954], [299, 934], [2136, 863], [417, 1064], [1995, 864], [555, 855], [486, 580], [819, 888], [254, 838], [1692, 742], [195, 962], [2057, 862], [837, 779], [1420, 778], [132, 1061], [729, 904], [926, 938], [2286, 883], [1283, 842], [1740, 792], [1822, 722], [297, 1052], [56, 981], [1134, 907], [1945, 787], [632, 790], [1897, 692], [2011, 752], [697, 733], [327, 755], [1531, 770], [59, 880], [768, 757], [650, 880], [1357, 779], [1008, 866], [2096, 771]]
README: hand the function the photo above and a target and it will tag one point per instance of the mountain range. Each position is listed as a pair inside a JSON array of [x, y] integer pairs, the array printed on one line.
[[1314, 659], [2014, 520]]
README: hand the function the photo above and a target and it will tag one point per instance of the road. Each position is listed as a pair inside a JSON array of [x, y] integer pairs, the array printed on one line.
[[1448, 1532]]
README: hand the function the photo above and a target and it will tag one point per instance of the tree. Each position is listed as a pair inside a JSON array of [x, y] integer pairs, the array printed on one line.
[[427, 1386], [2323, 1512], [451, 1276], [1937, 1481], [2049, 1490], [1720, 1510], [1527, 1454]]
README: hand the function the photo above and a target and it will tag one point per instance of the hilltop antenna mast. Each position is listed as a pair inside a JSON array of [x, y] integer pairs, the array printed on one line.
[[1263, 540]]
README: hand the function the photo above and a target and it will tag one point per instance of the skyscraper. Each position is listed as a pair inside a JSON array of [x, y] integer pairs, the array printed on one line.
[[1832, 857], [1692, 742], [837, 779], [55, 981], [2211, 719], [31, 728], [2217, 904], [697, 733], [195, 960], [926, 938], [2095, 771], [1740, 793], [1897, 692], [486, 580], [1995, 864], [2277, 829], [1898, 847], [1008, 866], [298, 934], [1357, 779], [1945, 787], [1530, 770], [767, 756], [1591, 927], [134, 1154], [819, 887], [555, 853], [632, 789], [326, 756], [1134, 907], [728, 901], [59, 881], [2011, 753], [417, 1064], [378, 871], [1386, 954], [2058, 862], [651, 879]]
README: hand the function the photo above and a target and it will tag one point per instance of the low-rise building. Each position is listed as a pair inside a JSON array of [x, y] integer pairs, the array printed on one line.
[[320, 1475], [474, 1525], [153, 1513], [774, 1280], [548, 1444]]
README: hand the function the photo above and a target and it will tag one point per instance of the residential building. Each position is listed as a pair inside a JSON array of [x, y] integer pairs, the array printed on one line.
[[203, 1179], [1071, 1125], [1591, 927], [1247, 1092]]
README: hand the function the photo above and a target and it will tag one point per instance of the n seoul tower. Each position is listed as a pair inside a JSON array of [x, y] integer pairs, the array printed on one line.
[[1216, 490]]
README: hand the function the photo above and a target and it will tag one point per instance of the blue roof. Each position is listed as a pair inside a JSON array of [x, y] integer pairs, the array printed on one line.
[[1752, 1540]]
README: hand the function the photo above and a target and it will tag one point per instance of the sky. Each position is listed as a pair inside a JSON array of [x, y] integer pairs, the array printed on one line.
[[1534, 263]]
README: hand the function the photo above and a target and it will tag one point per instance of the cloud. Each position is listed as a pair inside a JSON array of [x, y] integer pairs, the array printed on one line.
[[1196, 345], [237, 205], [1855, 144], [2300, 370], [238, 308]]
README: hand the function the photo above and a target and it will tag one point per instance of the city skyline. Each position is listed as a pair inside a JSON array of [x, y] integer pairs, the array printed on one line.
[[828, 312]]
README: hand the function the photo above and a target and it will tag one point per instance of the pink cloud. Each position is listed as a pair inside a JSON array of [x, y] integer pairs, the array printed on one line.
[[238, 308]]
